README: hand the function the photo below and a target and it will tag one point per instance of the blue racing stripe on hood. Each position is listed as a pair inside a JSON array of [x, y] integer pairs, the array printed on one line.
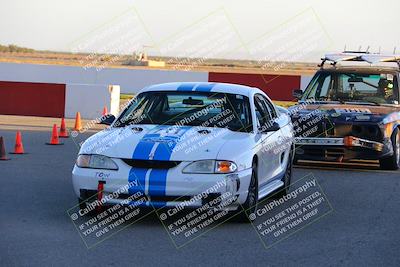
[[166, 147], [143, 150], [145, 145], [158, 177]]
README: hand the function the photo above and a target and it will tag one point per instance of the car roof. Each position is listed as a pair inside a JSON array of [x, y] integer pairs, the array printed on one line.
[[204, 87]]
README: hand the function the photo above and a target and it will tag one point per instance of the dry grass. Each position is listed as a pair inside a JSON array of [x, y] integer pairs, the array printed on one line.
[[284, 104], [126, 96], [216, 65]]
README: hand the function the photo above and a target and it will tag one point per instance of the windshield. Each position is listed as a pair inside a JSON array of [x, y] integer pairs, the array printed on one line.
[[380, 88], [205, 109]]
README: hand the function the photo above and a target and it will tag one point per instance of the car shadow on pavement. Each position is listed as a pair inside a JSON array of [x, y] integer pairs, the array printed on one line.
[[332, 165]]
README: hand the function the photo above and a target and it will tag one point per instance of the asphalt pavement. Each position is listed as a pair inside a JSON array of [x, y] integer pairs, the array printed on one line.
[[36, 191]]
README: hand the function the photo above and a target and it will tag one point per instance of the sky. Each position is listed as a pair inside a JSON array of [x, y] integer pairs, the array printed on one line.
[[297, 29]]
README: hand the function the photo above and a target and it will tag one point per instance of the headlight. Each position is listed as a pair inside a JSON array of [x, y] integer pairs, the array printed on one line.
[[224, 166], [96, 162], [388, 129], [210, 166]]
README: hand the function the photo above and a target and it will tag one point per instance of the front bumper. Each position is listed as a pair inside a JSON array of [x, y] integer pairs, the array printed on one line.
[[348, 141], [341, 148], [186, 190]]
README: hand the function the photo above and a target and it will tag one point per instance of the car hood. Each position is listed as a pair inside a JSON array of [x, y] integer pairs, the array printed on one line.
[[346, 112], [160, 142], [354, 109]]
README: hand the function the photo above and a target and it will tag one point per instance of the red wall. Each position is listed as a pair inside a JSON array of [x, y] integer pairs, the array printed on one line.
[[277, 87], [32, 99]]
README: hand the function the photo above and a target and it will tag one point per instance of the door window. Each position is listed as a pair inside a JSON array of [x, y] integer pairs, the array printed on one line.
[[262, 112]]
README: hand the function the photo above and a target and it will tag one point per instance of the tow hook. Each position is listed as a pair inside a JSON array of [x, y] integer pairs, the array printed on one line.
[[100, 189]]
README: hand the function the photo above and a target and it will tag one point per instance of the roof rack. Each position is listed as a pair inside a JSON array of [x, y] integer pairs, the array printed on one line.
[[360, 57]]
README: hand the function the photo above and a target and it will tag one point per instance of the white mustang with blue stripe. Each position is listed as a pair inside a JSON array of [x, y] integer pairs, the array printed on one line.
[[175, 141]]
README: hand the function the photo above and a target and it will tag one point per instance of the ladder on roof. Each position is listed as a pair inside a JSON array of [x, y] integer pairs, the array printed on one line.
[[359, 57]]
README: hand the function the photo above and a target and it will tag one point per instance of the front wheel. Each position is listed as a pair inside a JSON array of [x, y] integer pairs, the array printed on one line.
[[392, 162], [250, 205], [287, 178]]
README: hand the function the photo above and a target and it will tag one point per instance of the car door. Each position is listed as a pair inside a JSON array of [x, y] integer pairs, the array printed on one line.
[[262, 117], [271, 140]]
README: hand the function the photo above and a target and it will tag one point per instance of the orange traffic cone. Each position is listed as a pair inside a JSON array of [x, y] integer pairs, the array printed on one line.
[[19, 147], [2, 150], [63, 130], [78, 123], [54, 137], [105, 111]]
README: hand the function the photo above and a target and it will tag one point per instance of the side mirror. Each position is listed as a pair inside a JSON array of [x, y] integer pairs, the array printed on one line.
[[271, 128], [297, 94], [107, 119]]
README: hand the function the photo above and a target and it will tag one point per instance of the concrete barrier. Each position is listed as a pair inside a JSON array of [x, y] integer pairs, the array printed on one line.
[[131, 80], [57, 91], [90, 100]]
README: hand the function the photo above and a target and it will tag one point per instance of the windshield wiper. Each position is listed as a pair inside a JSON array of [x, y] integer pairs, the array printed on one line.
[[364, 102], [341, 101], [329, 101], [129, 122]]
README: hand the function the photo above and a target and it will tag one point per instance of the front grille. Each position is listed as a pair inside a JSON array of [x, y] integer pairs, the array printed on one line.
[[152, 164], [342, 130], [309, 128], [370, 132], [334, 152]]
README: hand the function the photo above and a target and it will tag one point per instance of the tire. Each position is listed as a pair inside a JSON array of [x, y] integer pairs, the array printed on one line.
[[392, 162], [295, 160], [250, 205], [287, 178]]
